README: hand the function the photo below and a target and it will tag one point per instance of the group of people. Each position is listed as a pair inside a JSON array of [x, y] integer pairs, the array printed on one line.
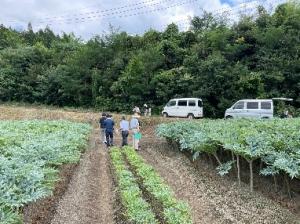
[[146, 109], [107, 129]]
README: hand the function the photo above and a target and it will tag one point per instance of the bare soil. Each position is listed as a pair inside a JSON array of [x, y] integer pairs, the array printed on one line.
[[90, 195], [212, 199]]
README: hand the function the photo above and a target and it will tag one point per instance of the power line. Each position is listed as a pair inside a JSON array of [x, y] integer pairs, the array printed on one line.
[[122, 14], [120, 10], [119, 15], [110, 11]]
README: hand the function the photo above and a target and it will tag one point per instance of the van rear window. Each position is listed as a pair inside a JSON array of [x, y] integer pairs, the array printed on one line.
[[182, 103], [252, 105], [266, 105]]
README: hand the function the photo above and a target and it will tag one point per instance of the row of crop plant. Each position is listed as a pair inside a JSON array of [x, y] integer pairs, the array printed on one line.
[[274, 143], [151, 200]]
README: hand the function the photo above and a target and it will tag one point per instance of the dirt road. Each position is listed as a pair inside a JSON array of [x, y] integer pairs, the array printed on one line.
[[90, 197]]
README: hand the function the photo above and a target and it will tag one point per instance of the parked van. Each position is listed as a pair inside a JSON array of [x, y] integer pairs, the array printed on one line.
[[184, 107], [251, 108]]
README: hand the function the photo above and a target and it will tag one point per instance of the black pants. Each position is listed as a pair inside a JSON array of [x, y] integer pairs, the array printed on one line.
[[109, 138], [124, 137]]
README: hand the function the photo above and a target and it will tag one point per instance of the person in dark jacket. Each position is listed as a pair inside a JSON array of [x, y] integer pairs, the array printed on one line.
[[102, 128], [109, 130]]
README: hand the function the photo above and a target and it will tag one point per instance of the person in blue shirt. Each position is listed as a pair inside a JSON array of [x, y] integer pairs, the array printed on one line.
[[109, 130], [124, 127]]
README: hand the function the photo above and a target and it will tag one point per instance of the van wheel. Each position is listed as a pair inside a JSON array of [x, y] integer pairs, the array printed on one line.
[[265, 118], [190, 116], [228, 117], [165, 115]]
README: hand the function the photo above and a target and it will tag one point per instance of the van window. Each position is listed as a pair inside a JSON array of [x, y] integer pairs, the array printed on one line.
[[266, 105], [239, 105], [192, 103], [252, 105], [200, 104], [182, 103], [171, 103]]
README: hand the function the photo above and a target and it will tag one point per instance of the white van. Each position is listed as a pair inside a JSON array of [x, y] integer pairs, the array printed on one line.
[[251, 108], [184, 107]]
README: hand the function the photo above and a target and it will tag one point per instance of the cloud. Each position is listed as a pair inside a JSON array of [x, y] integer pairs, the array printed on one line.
[[87, 18]]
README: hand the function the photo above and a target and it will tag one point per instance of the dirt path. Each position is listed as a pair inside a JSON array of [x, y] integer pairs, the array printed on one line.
[[212, 199], [89, 198]]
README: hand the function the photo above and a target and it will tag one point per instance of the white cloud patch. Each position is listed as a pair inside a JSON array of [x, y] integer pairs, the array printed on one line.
[[87, 18]]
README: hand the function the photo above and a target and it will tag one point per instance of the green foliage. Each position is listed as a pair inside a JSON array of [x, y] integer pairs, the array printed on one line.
[[175, 212], [30, 154], [137, 209], [276, 142], [257, 57]]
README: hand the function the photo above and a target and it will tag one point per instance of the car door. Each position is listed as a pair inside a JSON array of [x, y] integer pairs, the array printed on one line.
[[238, 110], [182, 110], [252, 109], [266, 109], [171, 108], [192, 107]]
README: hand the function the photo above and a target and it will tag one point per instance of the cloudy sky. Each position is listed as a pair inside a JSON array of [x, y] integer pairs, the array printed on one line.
[[87, 18]]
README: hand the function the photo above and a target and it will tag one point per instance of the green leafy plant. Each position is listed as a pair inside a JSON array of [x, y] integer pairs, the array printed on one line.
[[174, 211], [137, 209], [31, 152], [275, 142]]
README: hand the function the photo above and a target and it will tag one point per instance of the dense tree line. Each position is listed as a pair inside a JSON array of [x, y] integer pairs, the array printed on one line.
[[256, 57]]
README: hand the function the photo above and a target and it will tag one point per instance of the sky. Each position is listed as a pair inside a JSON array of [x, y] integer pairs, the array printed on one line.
[[87, 18]]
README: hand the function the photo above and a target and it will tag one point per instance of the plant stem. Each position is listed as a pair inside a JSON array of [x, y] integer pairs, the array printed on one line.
[[288, 187], [251, 174], [238, 169], [217, 158], [275, 183]]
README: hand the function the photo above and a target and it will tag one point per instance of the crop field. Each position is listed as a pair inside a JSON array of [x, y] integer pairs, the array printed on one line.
[[31, 152], [163, 202], [275, 143], [236, 171]]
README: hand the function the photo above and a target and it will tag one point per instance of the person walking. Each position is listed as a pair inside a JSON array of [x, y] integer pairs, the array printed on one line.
[[109, 130], [146, 110], [102, 128], [135, 127], [124, 127]]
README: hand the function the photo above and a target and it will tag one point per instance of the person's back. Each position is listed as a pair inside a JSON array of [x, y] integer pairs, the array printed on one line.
[[102, 127], [135, 127], [101, 121], [109, 130], [134, 123], [124, 127], [109, 124]]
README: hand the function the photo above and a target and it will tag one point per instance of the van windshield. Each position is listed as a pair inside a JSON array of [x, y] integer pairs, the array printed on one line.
[[200, 104], [239, 105], [171, 103]]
